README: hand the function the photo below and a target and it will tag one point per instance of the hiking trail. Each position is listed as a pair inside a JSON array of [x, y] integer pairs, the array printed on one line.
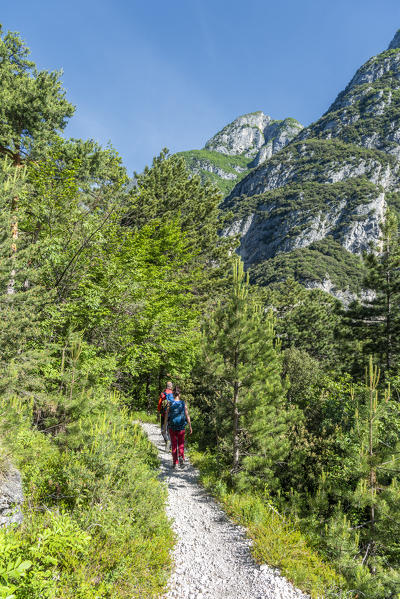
[[212, 556]]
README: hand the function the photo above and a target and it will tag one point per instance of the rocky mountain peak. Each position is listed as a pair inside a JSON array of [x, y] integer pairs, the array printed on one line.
[[312, 207], [251, 133], [245, 135], [367, 112], [395, 43], [240, 146]]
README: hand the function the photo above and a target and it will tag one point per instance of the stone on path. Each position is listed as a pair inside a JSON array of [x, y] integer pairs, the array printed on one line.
[[212, 556]]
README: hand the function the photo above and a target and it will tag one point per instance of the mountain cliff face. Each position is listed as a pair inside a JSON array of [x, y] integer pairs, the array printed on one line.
[[310, 209], [239, 147]]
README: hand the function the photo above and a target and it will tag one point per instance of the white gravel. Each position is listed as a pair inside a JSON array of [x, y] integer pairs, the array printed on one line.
[[212, 556]]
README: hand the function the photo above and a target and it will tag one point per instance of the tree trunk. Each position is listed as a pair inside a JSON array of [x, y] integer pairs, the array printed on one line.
[[236, 453], [17, 162], [14, 237], [388, 321], [148, 394], [372, 473]]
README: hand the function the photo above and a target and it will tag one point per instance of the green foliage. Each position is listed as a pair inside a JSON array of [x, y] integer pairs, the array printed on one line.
[[321, 260], [143, 416], [94, 522], [171, 225], [132, 294], [242, 366], [33, 104], [375, 321], [33, 558], [358, 500], [167, 192], [236, 167], [276, 541], [306, 319]]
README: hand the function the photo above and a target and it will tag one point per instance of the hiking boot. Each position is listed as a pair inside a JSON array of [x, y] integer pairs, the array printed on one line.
[[181, 462], [174, 466]]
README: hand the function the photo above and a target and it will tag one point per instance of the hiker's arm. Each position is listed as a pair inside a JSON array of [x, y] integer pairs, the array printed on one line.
[[188, 419]]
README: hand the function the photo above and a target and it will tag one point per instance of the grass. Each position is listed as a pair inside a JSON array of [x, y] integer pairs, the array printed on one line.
[[195, 158], [94, 524], [4, 462], [276, 541], [222, 161], [144, 416]]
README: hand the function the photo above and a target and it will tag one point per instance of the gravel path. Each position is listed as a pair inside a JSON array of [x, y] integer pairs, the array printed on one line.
[[212, 556]]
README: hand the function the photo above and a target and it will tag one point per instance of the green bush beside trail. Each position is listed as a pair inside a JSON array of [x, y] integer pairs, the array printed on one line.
[[94, 519]]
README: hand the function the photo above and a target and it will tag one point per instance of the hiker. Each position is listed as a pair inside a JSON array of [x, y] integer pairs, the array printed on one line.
[[176, 418], [165, 396]]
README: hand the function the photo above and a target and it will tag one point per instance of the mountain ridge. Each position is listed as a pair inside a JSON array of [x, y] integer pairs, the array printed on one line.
[[240, 146], [334, 180]]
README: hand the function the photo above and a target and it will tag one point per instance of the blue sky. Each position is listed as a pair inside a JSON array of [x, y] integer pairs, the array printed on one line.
[[148, 75]]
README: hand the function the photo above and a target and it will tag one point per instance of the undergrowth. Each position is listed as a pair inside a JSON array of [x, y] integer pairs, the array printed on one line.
[[144, 416], [276, 541], [94, 520]]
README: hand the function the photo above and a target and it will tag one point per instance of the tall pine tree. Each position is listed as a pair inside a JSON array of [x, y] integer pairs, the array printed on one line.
[[375, 321], [244, 368]]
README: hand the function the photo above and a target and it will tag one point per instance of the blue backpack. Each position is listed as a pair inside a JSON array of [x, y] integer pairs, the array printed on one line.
[[168, 397], [176, 415]]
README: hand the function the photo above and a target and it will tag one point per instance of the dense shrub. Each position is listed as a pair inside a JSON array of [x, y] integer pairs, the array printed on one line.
[[94, 519]]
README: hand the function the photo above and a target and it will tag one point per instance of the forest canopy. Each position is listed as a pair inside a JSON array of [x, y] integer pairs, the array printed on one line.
[[109, 285]]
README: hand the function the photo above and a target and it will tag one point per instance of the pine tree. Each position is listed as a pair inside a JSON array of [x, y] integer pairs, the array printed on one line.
[[33, 109], [244, 367], [377, 492], [376, 321], [361, 504], [305, 319], [165, 192]]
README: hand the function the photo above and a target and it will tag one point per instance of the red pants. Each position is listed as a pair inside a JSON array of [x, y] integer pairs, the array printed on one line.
[[177, 442]]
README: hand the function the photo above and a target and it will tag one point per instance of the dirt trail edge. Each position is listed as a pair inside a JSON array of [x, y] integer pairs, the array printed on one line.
[[212, 556]]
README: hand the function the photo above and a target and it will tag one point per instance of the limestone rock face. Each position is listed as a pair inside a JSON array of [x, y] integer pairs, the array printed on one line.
[[239, 147], [11, 498], [344, 296], [271, 230], [302, 162], [250, 133], [329, 187], [245, 135], [367, 111], [277, 136], [395, 43]]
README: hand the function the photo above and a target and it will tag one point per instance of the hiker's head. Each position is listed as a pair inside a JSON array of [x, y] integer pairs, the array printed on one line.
[[169, 385], [177, 392]]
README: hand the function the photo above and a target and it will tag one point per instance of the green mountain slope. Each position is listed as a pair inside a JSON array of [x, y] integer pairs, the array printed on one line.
[[239, 147], [335, 179]]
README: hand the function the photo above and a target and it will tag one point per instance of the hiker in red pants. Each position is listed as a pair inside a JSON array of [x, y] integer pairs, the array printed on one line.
[[177, 416], [165, 397]]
